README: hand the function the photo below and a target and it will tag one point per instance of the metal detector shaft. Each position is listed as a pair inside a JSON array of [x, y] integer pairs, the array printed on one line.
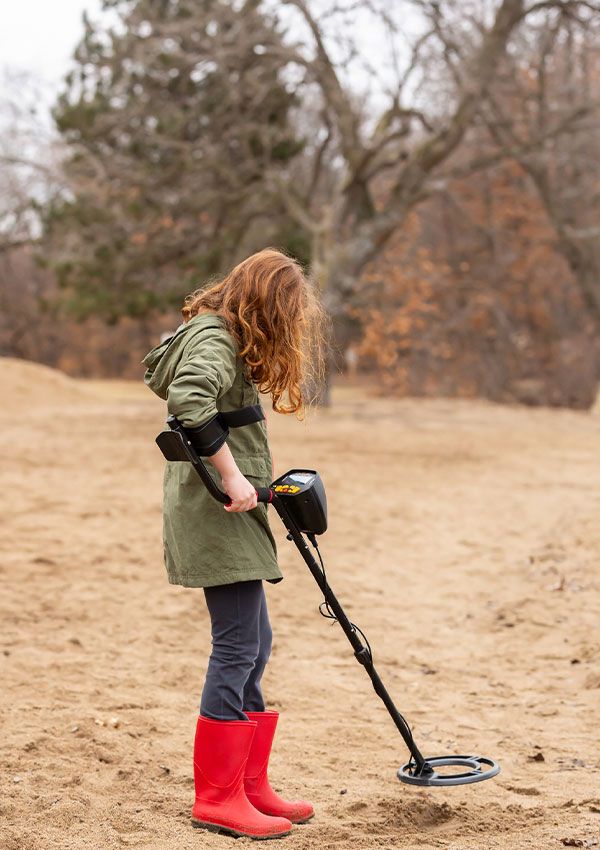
[[361, 652]]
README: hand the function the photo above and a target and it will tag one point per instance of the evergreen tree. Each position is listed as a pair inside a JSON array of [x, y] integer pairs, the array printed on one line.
[[173, 120]]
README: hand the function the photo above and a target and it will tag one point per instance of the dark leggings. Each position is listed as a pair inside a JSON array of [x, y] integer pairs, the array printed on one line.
[[241, 645]]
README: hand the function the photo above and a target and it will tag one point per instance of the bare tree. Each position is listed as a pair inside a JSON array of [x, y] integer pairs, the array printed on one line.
[[362, 177], [551, 85], [28, 178], [28, 166]]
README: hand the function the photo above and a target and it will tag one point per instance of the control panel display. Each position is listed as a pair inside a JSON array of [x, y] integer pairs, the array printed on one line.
[[301, 477]]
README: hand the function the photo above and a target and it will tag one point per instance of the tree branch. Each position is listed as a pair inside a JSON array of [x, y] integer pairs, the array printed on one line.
[[341, 107]]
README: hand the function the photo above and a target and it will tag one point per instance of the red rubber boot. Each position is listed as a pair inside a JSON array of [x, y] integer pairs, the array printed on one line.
[[220, 754], [256, 781]]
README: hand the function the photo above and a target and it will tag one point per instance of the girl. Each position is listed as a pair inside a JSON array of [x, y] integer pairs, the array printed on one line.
[[258, 329]]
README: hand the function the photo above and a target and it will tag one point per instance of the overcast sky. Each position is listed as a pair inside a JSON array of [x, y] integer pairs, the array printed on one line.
[[39, 35]]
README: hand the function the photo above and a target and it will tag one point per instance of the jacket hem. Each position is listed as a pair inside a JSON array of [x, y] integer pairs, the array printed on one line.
[[202, 581]]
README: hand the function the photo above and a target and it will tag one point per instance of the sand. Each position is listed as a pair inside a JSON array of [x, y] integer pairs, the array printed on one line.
[[464, 539]]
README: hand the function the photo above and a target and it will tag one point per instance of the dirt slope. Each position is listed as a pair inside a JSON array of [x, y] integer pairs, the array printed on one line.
[[464, 539]]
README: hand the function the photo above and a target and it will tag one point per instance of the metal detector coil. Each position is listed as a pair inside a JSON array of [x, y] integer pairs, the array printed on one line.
[[299, 499], [480, 768]]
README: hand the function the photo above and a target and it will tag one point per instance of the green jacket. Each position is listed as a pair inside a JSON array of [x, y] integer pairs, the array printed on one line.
[[198, 372]]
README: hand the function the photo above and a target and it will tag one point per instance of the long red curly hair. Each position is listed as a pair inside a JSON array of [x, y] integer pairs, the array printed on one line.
[[275, 316]]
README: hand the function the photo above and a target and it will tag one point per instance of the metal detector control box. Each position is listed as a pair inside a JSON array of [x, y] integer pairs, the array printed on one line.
[[305, 499]]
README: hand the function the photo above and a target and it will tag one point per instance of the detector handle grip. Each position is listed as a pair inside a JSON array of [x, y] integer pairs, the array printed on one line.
[[265, 494]]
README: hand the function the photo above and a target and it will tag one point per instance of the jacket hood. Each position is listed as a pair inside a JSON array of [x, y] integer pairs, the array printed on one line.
[[162, 361]]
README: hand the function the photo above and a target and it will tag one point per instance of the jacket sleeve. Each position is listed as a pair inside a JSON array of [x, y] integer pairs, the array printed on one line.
[[205, 373]]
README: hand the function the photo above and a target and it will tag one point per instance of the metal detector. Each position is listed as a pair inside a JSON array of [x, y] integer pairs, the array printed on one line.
[[299, 499]]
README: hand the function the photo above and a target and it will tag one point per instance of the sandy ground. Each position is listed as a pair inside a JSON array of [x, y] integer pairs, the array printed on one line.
[[464, 539]]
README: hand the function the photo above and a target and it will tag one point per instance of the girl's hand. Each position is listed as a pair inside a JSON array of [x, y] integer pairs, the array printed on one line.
[[240, 491]]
